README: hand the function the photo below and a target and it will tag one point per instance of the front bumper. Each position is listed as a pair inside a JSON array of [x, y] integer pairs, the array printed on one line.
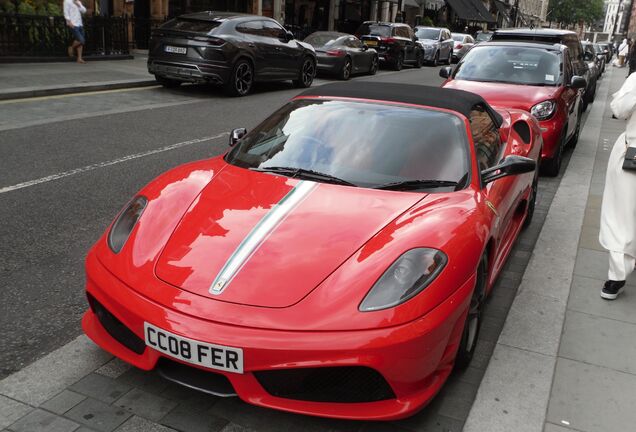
[[429, 54], [414, 359], [551, 132]]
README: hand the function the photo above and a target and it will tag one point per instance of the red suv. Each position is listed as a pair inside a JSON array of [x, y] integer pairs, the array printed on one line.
[[535, 77]]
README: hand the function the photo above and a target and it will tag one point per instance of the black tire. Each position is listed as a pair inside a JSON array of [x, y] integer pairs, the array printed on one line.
[[375, 64], [472, 325], [449, 60], [167, 82], [593, 95], [399, 62], [551, 167], [345, 73], [419, 59], [306, 73], [241, 79], [533, 199]]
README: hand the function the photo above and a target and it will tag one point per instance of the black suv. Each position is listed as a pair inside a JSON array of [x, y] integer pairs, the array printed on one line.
[[231, 49], [394, 42], [564, 37]]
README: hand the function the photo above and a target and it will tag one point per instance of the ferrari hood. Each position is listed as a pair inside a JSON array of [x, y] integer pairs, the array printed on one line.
[[264, 240], [507, 95]]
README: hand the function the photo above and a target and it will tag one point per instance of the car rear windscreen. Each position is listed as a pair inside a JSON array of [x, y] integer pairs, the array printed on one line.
[[187, 25], [374, 30]]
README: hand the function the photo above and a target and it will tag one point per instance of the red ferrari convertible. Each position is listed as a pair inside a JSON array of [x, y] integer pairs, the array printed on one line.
[[334, 262]]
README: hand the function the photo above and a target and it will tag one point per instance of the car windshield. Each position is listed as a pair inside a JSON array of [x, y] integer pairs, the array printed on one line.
[[513, 65], [323, 39], [427, 33], [483, 37], [374, 30], [458, 37], [366, 144]]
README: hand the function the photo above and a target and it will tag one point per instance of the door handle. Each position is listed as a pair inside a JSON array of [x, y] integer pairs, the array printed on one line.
[[251, 45], [278, 48]]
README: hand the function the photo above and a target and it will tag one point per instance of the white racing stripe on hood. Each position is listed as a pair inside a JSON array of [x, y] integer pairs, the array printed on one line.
[[259, 233]]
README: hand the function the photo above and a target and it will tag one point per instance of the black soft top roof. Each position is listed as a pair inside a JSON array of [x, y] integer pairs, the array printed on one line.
[[450, 99]]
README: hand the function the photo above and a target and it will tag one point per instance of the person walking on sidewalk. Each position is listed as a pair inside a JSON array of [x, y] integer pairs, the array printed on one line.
[[618, 211], [623, 50], [73, 10]]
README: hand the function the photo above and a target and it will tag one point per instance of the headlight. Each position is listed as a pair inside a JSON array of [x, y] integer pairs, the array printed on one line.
[[406, 277], [543, 110], [125, 222]]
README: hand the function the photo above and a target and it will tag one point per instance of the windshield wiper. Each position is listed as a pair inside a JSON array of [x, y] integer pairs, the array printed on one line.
[[417, 184], [306, 174]]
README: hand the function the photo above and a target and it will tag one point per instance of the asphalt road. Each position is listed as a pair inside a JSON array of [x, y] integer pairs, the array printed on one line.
[[67, 166]]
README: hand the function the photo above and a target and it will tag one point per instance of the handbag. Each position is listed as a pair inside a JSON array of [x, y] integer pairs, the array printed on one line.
[[629, 164]]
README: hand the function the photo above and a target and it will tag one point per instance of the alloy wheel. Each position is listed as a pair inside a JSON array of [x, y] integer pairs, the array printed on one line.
[[374, 66], [243, 78], [346, 70], [308, 72], [472, 324]]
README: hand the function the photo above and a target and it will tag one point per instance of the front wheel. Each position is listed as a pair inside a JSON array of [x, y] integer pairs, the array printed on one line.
[[419, 59], [306, 74], [345, 73], [399, 63], [449, 60], [551, 167], [472, 324], [374, 65], [575, 138], [242, 78]]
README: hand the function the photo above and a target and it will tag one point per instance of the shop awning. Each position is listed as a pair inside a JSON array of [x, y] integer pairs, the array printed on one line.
[[470, 10], [501, 8], [411, 3]]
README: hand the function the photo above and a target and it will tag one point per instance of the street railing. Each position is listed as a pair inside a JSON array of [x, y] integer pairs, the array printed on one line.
[[49, 36]]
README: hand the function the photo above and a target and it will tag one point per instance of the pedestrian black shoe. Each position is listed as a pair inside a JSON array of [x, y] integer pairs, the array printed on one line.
[[612, 289]]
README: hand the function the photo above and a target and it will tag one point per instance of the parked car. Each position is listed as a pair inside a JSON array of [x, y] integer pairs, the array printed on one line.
[[229, 49], [462, 44], [601, 57], [437, 44], [342, 54], [536, 77], [394, 42], [592, 63], [565, 37], [483, 36], [335, 262]]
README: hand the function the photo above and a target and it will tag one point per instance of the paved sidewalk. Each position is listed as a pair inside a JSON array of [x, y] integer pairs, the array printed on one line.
[[566, 359], [22, 80]]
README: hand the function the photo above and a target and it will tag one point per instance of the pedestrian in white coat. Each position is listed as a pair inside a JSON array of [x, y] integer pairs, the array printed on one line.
[[618, 212]]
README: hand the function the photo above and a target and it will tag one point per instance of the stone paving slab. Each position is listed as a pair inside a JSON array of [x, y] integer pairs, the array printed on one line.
[[25, 80]]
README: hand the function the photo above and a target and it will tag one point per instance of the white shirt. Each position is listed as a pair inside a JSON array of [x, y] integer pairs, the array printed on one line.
[[73, 12], [618, 212]]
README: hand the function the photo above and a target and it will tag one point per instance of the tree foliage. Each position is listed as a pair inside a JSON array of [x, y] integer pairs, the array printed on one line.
[[568, 12]]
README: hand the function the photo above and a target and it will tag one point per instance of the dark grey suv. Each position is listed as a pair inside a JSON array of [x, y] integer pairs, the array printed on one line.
[[230, 49]]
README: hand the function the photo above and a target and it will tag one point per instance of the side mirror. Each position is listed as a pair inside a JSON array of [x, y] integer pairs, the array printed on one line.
[[289, 36], [578, 82], [511, 165], [588, 56], [415, 38], [364, 47], [446, 72], [236, 135]]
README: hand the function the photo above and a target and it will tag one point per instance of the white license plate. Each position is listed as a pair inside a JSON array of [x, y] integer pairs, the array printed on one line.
[[175, 50], [199, 353]]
